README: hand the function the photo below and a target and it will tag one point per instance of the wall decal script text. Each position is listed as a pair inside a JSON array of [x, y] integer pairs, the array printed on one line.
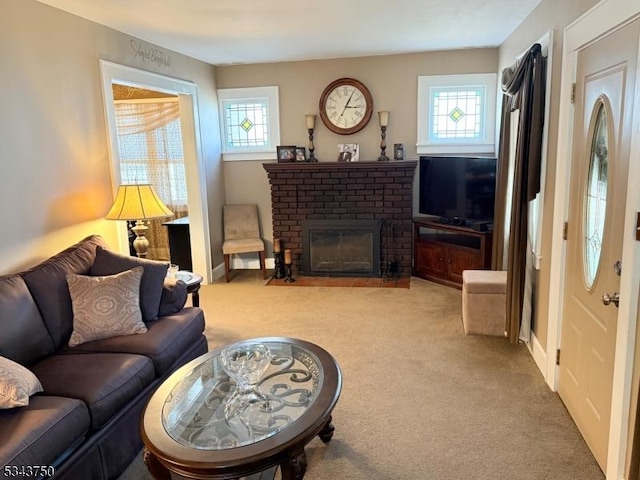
[[154, 55]]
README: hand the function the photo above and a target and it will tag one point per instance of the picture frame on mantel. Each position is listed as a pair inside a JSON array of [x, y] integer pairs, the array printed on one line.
[[286, 153], [301, 154], [398, 151], [348, 152]]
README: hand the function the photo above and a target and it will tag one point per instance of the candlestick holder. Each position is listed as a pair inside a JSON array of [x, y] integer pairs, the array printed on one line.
[[279, 265], [312, 157], [383, 144], [288, 278]]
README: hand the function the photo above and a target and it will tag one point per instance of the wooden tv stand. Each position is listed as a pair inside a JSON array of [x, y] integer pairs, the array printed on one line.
[[442, 251]]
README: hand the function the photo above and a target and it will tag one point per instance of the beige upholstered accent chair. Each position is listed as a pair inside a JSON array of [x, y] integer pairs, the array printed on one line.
[[241, 234]]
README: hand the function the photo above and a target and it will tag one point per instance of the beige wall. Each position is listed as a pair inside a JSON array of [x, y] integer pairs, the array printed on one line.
[[54, 168], [55, 184], [549, 15], [392, 80]]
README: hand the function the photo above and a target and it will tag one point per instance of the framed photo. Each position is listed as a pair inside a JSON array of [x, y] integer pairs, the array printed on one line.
[[348, 152], [286, 153], [301, 154]]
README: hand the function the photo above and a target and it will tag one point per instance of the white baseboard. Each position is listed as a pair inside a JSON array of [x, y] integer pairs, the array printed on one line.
[[250, 263], [538, 354], [218, 271]]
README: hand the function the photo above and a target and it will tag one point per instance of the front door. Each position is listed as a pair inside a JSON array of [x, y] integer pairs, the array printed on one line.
[[605, 80]]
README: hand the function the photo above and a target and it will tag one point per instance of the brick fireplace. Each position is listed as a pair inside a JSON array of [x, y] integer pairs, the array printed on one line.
[[380, 191]]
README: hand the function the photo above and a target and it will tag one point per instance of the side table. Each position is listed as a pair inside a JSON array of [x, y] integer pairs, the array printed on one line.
[[193, 281]]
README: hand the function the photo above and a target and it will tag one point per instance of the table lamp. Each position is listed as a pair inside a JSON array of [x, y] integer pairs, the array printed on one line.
[[138, 202]]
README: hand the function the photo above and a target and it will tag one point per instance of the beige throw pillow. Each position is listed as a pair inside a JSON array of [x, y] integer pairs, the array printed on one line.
[[17, 384], [105, 306]]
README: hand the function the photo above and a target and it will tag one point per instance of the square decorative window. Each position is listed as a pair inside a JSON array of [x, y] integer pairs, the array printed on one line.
[[456, 114], [250, 122]]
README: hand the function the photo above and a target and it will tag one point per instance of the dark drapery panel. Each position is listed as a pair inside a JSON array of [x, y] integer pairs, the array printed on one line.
[[502, 182], [523, 85]]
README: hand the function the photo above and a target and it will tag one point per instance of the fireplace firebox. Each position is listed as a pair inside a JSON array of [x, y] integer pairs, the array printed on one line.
[[334, 247]]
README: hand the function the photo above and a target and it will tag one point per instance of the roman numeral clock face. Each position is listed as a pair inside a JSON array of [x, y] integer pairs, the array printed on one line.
[[346, 106]]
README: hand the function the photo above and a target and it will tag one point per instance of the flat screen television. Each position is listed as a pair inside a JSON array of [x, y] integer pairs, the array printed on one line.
[[459, 190]]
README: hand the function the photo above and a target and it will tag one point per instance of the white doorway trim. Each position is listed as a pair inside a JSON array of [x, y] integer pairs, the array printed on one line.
[[197, 193], [606, 16]]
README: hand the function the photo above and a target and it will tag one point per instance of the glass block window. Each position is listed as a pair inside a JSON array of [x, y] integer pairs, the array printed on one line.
[[456, 114], [249, 122]]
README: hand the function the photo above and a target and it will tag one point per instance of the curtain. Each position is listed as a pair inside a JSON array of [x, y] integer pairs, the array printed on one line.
[[523, 85], [150, 148], [502, 187]]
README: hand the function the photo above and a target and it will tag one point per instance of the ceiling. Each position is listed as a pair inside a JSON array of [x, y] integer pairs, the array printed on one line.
[[258, 31]]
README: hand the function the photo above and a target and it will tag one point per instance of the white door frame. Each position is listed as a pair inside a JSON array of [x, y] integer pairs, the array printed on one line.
[[194, 168], [604, 17]]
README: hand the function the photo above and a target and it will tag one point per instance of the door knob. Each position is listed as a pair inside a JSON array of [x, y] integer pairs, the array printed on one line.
[[609, 299]]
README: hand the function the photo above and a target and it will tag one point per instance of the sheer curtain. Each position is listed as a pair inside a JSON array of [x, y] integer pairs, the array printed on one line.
[[150, 148]]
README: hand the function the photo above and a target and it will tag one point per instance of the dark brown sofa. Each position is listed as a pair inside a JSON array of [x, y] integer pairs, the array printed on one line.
[[86, 421]]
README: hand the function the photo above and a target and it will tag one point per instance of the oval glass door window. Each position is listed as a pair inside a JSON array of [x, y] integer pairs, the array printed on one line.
[[596, 194]]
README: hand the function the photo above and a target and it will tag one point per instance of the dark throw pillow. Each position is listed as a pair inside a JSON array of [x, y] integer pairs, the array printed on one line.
[[174, 297], [110, 263]]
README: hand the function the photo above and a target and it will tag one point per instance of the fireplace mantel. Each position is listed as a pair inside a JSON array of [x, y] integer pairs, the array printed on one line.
[[341, 166], [350, 190]]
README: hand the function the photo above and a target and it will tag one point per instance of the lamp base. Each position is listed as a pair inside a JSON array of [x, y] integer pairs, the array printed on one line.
[[141, 244]]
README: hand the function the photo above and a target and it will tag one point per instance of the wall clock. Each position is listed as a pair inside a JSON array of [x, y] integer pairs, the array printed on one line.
[[346, 106]]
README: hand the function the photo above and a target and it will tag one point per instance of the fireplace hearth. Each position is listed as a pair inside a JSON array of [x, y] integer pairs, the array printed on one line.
[[341, 247]]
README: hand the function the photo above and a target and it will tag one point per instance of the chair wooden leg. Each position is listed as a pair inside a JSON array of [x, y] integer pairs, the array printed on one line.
[[226, 267], [262, 265]]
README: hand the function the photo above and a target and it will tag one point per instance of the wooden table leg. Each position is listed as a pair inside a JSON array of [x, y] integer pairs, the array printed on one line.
[[296, 465], [326, 434], [195, 297], [156, 469]]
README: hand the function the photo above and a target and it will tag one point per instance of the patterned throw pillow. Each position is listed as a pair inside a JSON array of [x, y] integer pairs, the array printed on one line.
[[17, 384], [105, 306], [110, 263]]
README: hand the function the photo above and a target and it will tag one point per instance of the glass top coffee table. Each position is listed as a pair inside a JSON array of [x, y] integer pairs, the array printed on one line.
[[201, 423]]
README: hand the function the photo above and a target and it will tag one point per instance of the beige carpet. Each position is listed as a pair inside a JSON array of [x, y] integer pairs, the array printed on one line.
[[420, 400]]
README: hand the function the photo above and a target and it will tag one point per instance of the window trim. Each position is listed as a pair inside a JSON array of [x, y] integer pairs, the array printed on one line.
[[425, 145], [271, 94]]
